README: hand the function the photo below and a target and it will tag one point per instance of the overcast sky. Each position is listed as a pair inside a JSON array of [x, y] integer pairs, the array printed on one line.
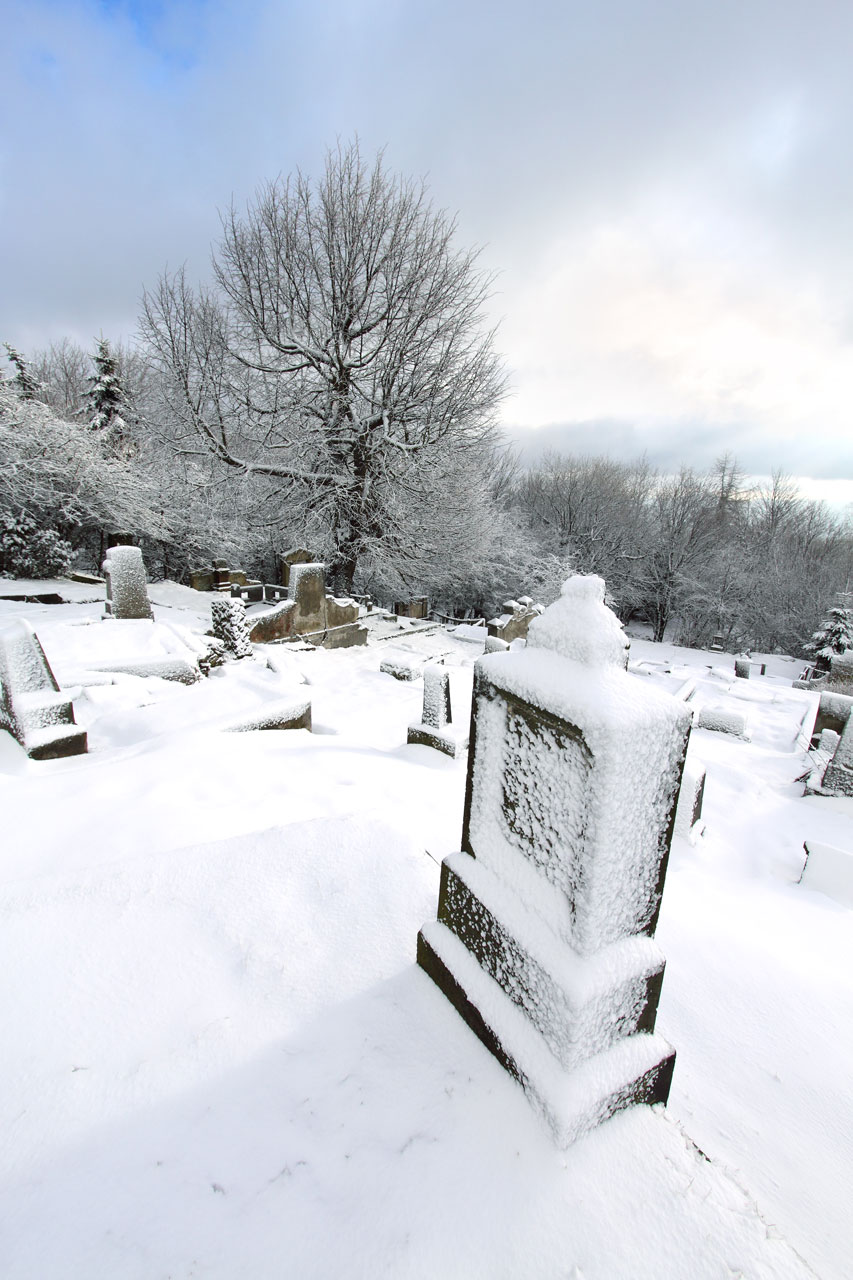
[[665, 189]]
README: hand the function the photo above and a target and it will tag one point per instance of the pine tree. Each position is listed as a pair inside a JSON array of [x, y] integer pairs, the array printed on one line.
[[24, 381], [835, 636], [106, 397]]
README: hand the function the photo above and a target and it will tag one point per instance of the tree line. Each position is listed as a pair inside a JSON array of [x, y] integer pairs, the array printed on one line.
[[336, 385]]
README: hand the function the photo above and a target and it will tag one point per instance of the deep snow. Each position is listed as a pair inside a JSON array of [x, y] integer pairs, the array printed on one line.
[[219, 1059]]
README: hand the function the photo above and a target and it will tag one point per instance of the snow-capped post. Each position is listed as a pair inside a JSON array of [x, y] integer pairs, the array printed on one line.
[[127, 592], [544, 937]]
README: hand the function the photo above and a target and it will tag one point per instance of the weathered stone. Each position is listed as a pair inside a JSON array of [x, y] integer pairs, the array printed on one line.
[[296, 555], [840, 678], [250, 590], [514, 622], [343, 637], [838, 778], [307, 589], [543, 940], [32, 707], [181, 670], [127, 592], [742, 668], [231, 626], [494, 644], [340, 612], [201, 579], [279, 715], [436, 716], [402, 666], [415, 608], [275, 625], [833, 712]]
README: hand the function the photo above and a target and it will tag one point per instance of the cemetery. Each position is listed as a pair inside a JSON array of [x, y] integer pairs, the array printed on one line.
[[339, 942]]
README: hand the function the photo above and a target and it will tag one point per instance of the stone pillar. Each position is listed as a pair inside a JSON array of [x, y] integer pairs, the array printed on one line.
[[433, 731], [127, 593], [544, 937]]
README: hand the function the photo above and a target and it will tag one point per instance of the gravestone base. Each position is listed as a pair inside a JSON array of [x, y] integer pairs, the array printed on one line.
[[636, 1069], [424, 735]]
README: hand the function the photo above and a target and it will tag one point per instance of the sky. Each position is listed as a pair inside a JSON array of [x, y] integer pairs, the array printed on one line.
[[662, 189]]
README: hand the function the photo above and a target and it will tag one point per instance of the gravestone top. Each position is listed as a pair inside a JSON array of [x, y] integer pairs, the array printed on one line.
[[579, 626]]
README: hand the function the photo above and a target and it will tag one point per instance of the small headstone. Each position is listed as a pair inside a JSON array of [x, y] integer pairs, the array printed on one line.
[[307, 588], [127, 592], [495, 645], [515, 620], [742, 668], [230, 625], [717, 644], [543, 941], [402, 666], [201, 579], [32, 707], [418, 607], [433, 731]]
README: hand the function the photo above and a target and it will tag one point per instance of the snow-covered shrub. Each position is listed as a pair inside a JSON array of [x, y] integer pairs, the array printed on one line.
[[835, 635], [29, 552]]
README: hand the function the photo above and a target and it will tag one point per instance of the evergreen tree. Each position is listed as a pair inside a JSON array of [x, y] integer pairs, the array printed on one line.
[[24, 381], [835, 636], [107, 401]]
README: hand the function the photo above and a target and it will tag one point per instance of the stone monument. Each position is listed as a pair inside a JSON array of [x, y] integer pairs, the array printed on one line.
[[433, 728], [544, 937], [127, 593], [32, 706], [229, 624]]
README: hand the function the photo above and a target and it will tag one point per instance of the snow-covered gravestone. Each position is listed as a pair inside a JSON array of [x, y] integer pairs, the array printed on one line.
[[433, 729], [127, 592], [544, 937], [230, 625]]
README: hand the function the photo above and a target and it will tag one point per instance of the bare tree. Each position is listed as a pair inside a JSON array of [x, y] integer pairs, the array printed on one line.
[[343, 345]]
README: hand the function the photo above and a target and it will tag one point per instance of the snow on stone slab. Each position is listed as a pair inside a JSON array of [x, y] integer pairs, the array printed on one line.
[[830, 871]]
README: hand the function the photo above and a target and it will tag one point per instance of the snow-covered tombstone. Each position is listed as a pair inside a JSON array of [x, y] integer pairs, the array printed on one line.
[[307, 586], [127, 590], [32, 706], [229, 624], [544, 937], [434, 730], [515, 620]]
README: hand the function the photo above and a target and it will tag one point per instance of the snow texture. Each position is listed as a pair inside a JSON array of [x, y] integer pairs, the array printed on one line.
[[220, 1060], [229, 624]]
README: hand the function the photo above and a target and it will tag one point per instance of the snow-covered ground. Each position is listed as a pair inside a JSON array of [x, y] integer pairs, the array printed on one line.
[[220, 1060]]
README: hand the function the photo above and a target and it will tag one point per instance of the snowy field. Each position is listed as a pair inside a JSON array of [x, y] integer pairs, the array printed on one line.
[[220, 1061]]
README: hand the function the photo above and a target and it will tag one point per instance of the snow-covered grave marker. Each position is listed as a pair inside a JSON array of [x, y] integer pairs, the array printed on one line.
[[829, 870], [32, 707], [543, 941], [432, 730], [127, 592], [230, 625]]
